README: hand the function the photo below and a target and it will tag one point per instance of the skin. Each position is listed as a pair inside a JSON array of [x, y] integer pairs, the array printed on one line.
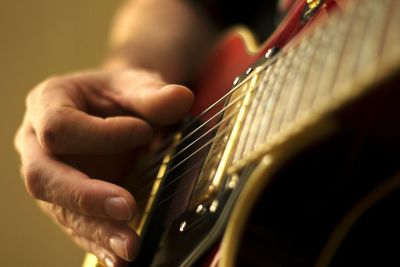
[[81, 131]]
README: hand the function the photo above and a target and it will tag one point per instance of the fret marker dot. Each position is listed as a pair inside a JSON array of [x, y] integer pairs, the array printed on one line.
[[236, 81], [268, 54], [182, 227]]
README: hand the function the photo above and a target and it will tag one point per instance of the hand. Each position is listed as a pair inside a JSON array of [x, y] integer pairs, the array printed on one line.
[[79, 136]]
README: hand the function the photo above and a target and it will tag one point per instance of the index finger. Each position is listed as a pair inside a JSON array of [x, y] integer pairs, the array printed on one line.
[[57, 113]]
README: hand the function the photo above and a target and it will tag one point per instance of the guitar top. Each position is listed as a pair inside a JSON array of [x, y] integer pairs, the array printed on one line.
[[292, 154]]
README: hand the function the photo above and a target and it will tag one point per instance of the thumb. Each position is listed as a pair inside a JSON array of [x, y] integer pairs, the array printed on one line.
[[150, 97]]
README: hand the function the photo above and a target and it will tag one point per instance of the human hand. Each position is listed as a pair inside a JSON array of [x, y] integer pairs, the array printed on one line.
[[79, 136]]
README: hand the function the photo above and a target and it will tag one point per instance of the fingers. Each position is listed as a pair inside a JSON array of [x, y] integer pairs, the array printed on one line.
[[164, 105], [63, 128], [53, 181], [108, 240]]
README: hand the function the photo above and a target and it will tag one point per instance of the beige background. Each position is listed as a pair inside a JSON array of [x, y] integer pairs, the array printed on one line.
[[39, 38]]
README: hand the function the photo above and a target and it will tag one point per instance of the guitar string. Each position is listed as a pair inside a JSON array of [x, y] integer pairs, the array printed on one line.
[[212, 118], [141, 191], [210, 142], [150, 173], [225, 118]]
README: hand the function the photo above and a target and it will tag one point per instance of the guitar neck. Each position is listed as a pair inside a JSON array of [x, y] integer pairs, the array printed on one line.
[[337, 62]]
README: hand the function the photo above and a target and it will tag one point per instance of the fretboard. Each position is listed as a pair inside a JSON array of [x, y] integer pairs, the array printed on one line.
[[337, 61]]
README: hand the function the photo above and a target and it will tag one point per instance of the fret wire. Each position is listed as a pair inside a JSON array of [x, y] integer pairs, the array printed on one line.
[[269, 105], [250, 142], [285, 87], [329, 70], [341, 25], [267, 92], [299, 82], [290, 96], [351, 49], [248, 124], [316, 69], [370, 50], [279, 96], [254, 130]]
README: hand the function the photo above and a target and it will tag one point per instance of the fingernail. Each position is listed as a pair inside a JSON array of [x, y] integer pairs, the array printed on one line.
[[109, 262], [119, 246], [169, 86], [117, 208]]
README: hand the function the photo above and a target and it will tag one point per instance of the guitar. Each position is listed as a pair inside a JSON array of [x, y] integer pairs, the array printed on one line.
[[292, 154]]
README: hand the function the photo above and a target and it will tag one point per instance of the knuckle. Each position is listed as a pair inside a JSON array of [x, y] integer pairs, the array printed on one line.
[[79, 199], [98, 233], [61, 215], [34, 180], [50, 129]]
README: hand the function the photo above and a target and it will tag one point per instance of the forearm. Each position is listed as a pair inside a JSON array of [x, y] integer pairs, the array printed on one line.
[[167, 36]]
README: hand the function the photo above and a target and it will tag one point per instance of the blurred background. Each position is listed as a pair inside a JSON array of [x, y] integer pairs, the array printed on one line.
[[37, 39]]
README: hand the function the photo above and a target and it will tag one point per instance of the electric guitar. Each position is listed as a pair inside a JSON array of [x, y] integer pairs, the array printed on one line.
[[292, 154]]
